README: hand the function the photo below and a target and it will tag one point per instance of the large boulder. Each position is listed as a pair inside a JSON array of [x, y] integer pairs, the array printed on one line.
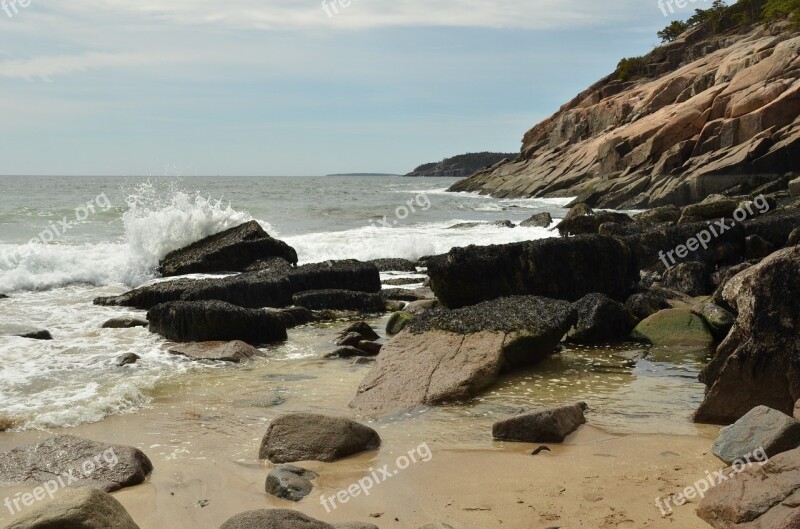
[[273, 519], [674, 327], [647, 302], [555, 268], [552, 425], [235, 351], [453, 355], [232, 250], [207, 321], [251, 290], [86, 508], [88, 463], [756, 496], [759, 361], [600, 319], [540, 220], [365, 302], [760, 429], [312, 437]]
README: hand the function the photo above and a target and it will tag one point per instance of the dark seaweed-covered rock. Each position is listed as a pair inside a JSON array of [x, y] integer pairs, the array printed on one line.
[[691, 278], [232, 250], [205, 321], [340, 300], [394, 265], [337, 275], [582, 220], [252, 290], [556, 268], [402, 294], [600, 319], [646, 303], [758, 364], [265, 288]]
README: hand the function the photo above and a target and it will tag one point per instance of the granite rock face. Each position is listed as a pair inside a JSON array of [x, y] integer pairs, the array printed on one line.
[[758, 363], [712, 113], [453, 355]]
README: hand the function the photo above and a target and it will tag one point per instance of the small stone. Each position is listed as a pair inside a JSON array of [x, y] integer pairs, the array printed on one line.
[[290, 482]]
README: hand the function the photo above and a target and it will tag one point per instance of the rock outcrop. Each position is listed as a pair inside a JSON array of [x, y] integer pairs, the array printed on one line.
[[759, 361], [555, 268], [712, 113], [453, 355], [760, 429], [232, 250]]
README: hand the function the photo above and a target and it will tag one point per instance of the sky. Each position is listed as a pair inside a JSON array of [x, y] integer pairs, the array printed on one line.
[[294, 87]]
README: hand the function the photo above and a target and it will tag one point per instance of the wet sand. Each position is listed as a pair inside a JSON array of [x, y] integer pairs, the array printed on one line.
[[202, 433]]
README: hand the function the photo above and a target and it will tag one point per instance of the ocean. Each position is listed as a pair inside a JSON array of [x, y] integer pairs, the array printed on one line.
[[67, 240]]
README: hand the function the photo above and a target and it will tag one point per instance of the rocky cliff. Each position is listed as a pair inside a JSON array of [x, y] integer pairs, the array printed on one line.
[[709, 114], [462, 165]]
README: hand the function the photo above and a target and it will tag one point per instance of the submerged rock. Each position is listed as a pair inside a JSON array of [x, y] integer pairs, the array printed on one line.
[[127, 359], [552, 425], [113, 467], [760, 429], [205, 321], [289, 482], [274, 519], [363, 328], [758, 364], [125, 323], [453, 355], [674, 327], [85, 508], [312, 437], [232, 250], [235, 351], [554, 268]]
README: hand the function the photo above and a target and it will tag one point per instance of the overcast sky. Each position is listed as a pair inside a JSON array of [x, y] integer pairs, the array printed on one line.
[[279, 87]]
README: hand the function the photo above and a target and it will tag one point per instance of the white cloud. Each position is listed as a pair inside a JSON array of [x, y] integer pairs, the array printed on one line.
[[294, 14], [46, 67]]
